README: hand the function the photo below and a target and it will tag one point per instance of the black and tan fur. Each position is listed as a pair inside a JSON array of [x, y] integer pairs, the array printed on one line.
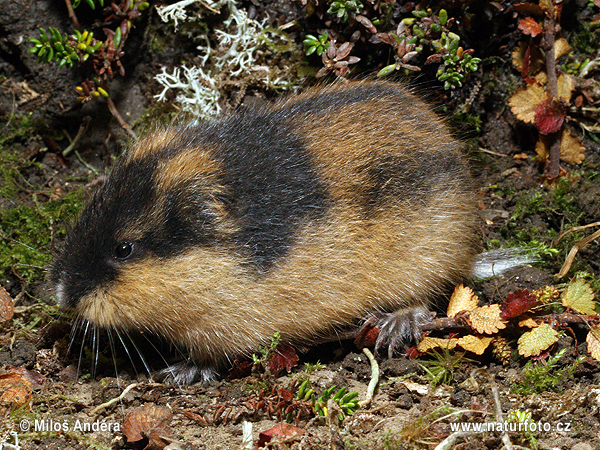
[[304, 217]]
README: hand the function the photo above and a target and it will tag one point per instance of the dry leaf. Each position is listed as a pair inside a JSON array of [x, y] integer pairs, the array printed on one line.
[[524, 102], [431, 342], [572, 150], [530, 27], [475, 344], [566, 86], [15, 390], [486, 319], [561, 48], [593, 342], [147, 420], [518, 56], [7, 305], [579, 296], [463, 299], [528, 322], [537, 340], [283, 431]]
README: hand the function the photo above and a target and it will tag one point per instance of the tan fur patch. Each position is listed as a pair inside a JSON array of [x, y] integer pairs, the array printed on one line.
[[152, 143]]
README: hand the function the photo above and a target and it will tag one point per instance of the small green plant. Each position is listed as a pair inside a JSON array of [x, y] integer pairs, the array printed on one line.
[[344, 8], [440, 369], [347, 401], [312, 368], [426, 30], [81, 47], [524, 417], [541, 377], [314, 44], [265, 351]]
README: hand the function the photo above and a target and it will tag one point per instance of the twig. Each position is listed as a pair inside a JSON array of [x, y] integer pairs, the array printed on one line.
[[571, 256], [82, 129], [114, 400], [72, 15], [550, 29], [505, 437], [374, 379], [116, 115], [570, 230]]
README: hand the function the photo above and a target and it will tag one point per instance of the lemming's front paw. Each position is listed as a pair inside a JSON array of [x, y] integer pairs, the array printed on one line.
[[398, 329], [187, 372]]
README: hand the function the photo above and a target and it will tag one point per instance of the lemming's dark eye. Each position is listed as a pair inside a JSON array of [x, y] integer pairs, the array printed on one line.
[[123, 250]]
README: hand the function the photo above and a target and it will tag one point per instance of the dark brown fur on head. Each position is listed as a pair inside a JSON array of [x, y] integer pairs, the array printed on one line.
[[303, 217]]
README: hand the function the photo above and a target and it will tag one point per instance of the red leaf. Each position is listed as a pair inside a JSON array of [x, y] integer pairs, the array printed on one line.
[[413, 353], [529, 8], [517, 303], [240, 368], [284, 431], [284, 357], [367, 336], [549, 117], [530, 27]]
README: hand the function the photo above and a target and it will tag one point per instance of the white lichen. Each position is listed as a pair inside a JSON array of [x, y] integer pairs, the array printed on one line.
[[235, 53], [197, 94]]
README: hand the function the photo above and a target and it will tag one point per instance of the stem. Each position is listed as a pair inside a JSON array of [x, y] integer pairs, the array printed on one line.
[[115, 113], [553, 169], [72, 15]]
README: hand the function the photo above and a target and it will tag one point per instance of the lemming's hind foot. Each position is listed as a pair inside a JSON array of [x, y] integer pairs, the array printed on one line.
[[398, 329], [187, 372]]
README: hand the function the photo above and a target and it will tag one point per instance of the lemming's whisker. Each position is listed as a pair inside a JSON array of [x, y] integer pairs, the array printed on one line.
[[85, 333], [117, 332], [144, 362]]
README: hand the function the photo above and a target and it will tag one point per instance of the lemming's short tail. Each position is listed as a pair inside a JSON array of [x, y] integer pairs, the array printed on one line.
[[496, 262]]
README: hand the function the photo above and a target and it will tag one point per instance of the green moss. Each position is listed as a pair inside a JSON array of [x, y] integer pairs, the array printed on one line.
[[28, 220], [26, 233]]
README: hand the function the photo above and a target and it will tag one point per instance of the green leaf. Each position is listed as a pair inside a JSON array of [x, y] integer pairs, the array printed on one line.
[[91, 3]]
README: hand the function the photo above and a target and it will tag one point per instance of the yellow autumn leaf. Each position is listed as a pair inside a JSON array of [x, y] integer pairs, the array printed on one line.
[[566, 86], [475, 344], [431, 342], [518, 56], [572, 150], [463, 299], [528, 322], [534, 342], [579, 296], [486, 319], [561, 48], [593, 342], [524, 101]]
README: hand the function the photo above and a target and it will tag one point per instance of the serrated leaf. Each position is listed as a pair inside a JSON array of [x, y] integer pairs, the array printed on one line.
[[561, 48], [528, 322], [537, 340], [549, 117], [524, 102], [572, 150], [579, 296], [566, 86], [463, 299], [429, 343], [530, 26], [593, 342], [486, 319], [475, 344]]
